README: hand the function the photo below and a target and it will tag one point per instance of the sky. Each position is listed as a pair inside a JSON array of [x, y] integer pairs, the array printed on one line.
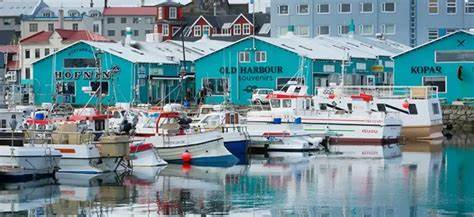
[[78, 3]]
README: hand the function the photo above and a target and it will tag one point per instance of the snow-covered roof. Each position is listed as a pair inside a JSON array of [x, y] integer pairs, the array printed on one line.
[[18, 7]]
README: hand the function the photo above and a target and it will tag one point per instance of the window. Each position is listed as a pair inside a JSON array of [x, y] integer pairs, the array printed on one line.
[[388, 29], [123, 20], [215, 86], [103, 86], [389, 64], [412, 109], [451, 6], [283, 9], [469, 7], [324, 9], [435, 107], [160, 13], [149, 20], [366, 7], [7, 22], [302, 9], [110, 32], [206, 30], [123, 32], [136, 32], [166, 30], [110, 20], [283, 30], [361, 66], [275, 103], [79, 63], [437, 81], [136, 20], [148, 31], [244, 57], [66, 88], [27, 73], [260, 56], [454, 56], [50, 27], [37, 53], [74, 13], [286, 103], [366, 29], [323, 30], [33, 27], [343, 29], [432, 34], [75, 26], [4, 123], [46, 51], [282, 82], [225, 31], [433, 6], [246, 29], [237, 29], [302, 30], [197, 31], [173, 13], [95, 28], [344, 8], [329, 68], [388, 7], [27, 53]]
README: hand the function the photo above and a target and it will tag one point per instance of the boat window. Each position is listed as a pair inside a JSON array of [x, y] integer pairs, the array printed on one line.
[[211, 120], [412, 109], [381, 108], [99, 125], [275, 103], [435, 108], [116, 114], [286, 103], [308, 104], [4, 123], [322, 106], [349, 107]]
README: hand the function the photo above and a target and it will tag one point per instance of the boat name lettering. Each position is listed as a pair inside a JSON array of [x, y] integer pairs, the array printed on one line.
[[369, 131], [426, 69], [252, 70]]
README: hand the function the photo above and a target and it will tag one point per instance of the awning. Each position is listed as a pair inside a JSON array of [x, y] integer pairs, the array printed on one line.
[[163, 77]]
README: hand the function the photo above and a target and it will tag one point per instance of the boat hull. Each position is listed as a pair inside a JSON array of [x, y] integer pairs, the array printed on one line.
[[237, 144], [145, 157], [429, 132], [366, 151]]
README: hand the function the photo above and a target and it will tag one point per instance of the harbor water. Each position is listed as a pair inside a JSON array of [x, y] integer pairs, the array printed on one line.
[[428, 180]]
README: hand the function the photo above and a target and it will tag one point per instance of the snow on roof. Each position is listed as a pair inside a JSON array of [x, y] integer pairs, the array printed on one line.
[[130, 53], [17, 8], [173, 49]]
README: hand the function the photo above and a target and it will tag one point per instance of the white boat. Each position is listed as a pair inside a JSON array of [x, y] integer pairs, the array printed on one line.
[[9, 136], [173, 138], [418, 106], [144, 155], [27, 163], [84, 144], [361, 127]]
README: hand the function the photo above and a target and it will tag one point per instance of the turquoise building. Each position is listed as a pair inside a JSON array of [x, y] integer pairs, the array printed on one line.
[[72, 75], [233, 72], [447, 63]]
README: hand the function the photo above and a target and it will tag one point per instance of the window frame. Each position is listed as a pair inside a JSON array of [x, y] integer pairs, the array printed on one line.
[[31, 25], [246, 56], [217, 92], [452, 51], [433, 5], [469, 8], [110, 20], [362, 8], [234, 29], [298, 7], [445, 82], [167, 32], [27, 53], [318, 10], [329, 30], [340, 29], [243, 29], [298, 30], [259, 55], [197, 29], [450, 5], [208, 30], [430, 31], [62, 88], [383, 9], [384, 29], [101, 83], [287, 10], [340, 8], [111, 31], [175, 10]]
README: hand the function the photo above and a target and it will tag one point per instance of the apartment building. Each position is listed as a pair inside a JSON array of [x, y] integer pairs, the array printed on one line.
[[12, 11], [49, 18], [140, 19], [411, 22]]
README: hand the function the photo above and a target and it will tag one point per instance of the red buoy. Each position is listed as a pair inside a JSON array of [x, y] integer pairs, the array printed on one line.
[[332, 96], [186, 157], [405, 104], [186, 168]]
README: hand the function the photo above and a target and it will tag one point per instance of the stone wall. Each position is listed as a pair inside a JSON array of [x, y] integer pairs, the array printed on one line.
[[459, 117]]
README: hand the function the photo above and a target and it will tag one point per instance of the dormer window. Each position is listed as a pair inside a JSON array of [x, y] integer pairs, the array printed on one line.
[[47, 13], [73, 13], [173, 12], [160, 13], [94, 13]]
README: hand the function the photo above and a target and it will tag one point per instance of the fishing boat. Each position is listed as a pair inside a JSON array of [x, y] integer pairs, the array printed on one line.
[[377, 131], [7, 134], [84, 143], [418, 107], [176, 142], [230, 124]]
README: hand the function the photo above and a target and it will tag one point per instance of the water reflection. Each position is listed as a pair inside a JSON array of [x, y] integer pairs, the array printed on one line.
[[427, 180]]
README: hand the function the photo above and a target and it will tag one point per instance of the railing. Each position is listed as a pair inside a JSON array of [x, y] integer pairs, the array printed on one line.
[[54, 137], [412, 92]]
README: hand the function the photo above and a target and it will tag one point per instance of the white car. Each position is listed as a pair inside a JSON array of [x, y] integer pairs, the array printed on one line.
[[260, 95]]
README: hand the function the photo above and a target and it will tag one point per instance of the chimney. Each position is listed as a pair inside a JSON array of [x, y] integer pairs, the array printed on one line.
[[215, 8], [128, 36], [142, 3], [92, 4], [61, 18], [106, 3]]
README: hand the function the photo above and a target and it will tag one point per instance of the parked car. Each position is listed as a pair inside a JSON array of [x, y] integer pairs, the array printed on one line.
[[260, 95]]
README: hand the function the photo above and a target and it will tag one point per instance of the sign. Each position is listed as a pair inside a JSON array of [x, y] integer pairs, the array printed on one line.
[[426, 70], [86, 75], [377, 68], [253, 73]]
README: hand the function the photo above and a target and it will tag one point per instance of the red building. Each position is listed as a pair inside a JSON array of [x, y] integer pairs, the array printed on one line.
[[169, 19]]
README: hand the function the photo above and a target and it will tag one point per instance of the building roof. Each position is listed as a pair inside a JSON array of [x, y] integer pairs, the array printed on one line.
[[131, 11], [433, 41], [66, 35], [12, 8], [9, 48]]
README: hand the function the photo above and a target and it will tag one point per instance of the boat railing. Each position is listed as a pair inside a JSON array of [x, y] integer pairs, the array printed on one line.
[[54, 137], [393, 92]]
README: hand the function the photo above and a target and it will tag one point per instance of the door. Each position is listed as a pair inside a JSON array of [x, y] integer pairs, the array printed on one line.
[[370, 80]]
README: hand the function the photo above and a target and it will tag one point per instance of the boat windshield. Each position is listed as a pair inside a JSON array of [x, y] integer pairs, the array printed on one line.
[[275, 103], [211, 120], [286, 103]]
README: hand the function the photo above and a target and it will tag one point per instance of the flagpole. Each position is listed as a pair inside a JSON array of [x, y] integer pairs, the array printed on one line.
[[253, 20]]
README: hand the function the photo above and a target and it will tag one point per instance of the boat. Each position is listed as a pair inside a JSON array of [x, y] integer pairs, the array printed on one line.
[[84, 143], [144, 155], [361, 127], [174, 138], [9, 136], [418, 107], [231, 124]]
